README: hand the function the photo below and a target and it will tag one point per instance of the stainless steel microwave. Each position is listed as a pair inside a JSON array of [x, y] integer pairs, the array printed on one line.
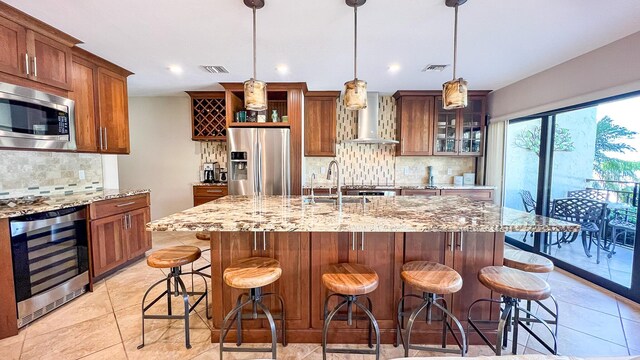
[[32, 119]]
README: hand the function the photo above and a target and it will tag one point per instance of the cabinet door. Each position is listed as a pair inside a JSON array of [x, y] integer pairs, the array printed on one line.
[[320, 126], [383, 253], [420, 192], [113, 111], [13, 49], [415, 114], [327, 249], [138, 238], [475, 194], [83, 94], [293, 251], [446, 130], [472, 127], [108, 243], [51, 60]]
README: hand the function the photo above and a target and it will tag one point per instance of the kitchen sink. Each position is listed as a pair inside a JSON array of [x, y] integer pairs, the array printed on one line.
[[334, 200]]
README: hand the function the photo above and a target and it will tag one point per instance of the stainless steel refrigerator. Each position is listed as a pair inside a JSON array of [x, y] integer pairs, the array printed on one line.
[[258, 161]]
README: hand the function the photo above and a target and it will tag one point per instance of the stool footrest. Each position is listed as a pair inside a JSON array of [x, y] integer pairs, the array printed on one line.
[[246, 349], [351, 351]]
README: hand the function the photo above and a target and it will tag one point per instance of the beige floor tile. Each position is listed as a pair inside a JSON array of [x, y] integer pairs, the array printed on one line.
[[127, 289], [629, 309], [571, 290], [632, 332], [115, 352], [290, 352], [528, 351], [74, 341], [575, 343], [11, 347], [86, 307]]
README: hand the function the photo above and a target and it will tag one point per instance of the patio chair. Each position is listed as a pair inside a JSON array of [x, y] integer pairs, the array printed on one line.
[[590, 214], [529, 206], [623, 223], [591, 194]]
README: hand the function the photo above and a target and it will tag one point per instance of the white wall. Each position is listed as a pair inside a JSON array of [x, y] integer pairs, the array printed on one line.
[[610, 70], [163, 157]]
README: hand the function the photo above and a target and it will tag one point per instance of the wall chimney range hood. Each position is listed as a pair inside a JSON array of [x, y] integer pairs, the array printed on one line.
[[368, 123]]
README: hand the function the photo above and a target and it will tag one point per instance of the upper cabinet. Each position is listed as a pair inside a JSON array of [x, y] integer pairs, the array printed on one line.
[[99, 90], [208, 116], [320, 123], [414, 119], [460, 131], [32, 53]]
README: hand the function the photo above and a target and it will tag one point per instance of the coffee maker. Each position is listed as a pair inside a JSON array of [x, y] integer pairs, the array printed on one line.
[[211, 173]]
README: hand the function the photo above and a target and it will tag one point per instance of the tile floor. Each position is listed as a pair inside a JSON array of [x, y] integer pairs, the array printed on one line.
[[105, 324]]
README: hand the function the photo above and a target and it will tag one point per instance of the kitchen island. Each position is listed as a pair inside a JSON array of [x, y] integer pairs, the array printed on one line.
[[381, 232]]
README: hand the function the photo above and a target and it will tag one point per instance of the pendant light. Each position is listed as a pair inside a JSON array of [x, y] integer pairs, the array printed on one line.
[[454, 92], [255, 91], [355, 91]]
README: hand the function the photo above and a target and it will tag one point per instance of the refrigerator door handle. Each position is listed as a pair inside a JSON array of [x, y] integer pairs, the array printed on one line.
[[259, 164]]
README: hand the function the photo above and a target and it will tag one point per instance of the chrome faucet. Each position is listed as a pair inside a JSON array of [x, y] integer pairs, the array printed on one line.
[[313, 196], [339, 183]]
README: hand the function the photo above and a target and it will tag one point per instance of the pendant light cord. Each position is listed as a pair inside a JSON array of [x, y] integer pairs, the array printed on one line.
[[355, 43], [254, 42], [455, 43]]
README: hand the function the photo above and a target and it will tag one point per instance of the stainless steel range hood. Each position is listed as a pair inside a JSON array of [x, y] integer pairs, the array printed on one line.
[[368, 123]]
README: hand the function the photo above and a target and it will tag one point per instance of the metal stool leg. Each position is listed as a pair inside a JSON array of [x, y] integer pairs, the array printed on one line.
[[412, 319], [372, 320], [282, 316], [225, 328], [327, 321], [272, 325], [502, 335], [145, 308], [185, 298]]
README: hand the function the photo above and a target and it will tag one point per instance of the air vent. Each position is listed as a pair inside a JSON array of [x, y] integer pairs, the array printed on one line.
[[214, 69], [434, 67]]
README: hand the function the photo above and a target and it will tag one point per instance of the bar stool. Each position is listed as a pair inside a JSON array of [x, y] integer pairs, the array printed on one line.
[[350, 282], [533, 263], [252, 274], [204, 236], [174, 258], [514, 285], [432, 279]]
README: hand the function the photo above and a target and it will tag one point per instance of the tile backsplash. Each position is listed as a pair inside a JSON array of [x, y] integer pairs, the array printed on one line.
[[47, 173], [368, 164], [374, 164]]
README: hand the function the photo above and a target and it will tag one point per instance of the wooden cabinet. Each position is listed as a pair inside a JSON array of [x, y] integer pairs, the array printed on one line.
[[117, 232], [414, 124], [205, 193], [32, 53], [420, 192], [475, 194], [320, 123], [208, 116], [99, 90], [460, 131]]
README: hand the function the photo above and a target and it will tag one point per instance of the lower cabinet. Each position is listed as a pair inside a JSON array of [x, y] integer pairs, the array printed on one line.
[[118, 233], [204, 193]]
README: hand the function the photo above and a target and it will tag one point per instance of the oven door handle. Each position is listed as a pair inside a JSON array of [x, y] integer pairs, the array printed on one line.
[[21, 227]]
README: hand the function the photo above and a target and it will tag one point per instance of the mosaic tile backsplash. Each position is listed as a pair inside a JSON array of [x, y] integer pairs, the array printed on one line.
[[367, 164], [48, 173]]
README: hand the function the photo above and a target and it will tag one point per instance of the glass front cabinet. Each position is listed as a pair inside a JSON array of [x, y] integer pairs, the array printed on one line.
[[460, 131]]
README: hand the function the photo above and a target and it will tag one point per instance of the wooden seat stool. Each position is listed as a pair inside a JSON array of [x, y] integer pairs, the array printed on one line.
[[174, 258], [533, 263], [514, 285], [432, 279], [252, 274], [350, 282]]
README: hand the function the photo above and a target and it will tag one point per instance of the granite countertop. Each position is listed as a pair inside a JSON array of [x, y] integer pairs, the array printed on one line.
[[382, 214], [209, 184], [55, 202], [406, 187]]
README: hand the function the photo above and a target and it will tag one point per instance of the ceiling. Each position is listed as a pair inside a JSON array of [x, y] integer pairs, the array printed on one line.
[[500, 41]]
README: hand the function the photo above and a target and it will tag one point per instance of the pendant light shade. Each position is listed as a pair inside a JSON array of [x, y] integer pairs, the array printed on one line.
[[355, 91], [355, 94], [255, 91], [454, 92]]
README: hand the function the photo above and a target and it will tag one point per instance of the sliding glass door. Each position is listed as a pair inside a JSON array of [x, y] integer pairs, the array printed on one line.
[[581, 164]]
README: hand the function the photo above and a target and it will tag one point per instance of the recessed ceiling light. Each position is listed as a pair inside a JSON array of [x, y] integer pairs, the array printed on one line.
[[175, 69], [394, 68], [282, 69]]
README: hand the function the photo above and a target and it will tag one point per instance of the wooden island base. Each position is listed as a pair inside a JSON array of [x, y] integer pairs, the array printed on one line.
[[304, 256]]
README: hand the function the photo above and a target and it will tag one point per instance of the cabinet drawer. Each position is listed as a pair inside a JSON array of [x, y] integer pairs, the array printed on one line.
[[210, 191], [475, 194], [104, 208], [420, 192]]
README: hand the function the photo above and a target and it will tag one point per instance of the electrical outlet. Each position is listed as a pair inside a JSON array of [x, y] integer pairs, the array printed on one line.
[[81, 174], [406, 170], [449, 171], [323, 170]]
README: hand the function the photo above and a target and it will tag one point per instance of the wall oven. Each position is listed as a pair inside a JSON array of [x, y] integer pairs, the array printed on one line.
[[50, 260], [32, 119]]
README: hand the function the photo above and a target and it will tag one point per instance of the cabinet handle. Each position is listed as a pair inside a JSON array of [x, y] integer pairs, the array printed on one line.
[[353, 241], [126, 204], [106, 140], [35, 67], [362, 242], [264, 241], [124, 222], [214, 191], [451, 240], [461, 241], [26, 63], [100, 135], [255, 241]]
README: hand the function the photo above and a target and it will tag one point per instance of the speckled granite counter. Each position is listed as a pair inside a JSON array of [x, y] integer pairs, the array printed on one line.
[[210, 184], [64, 201], [382, 214], [405, 186]]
